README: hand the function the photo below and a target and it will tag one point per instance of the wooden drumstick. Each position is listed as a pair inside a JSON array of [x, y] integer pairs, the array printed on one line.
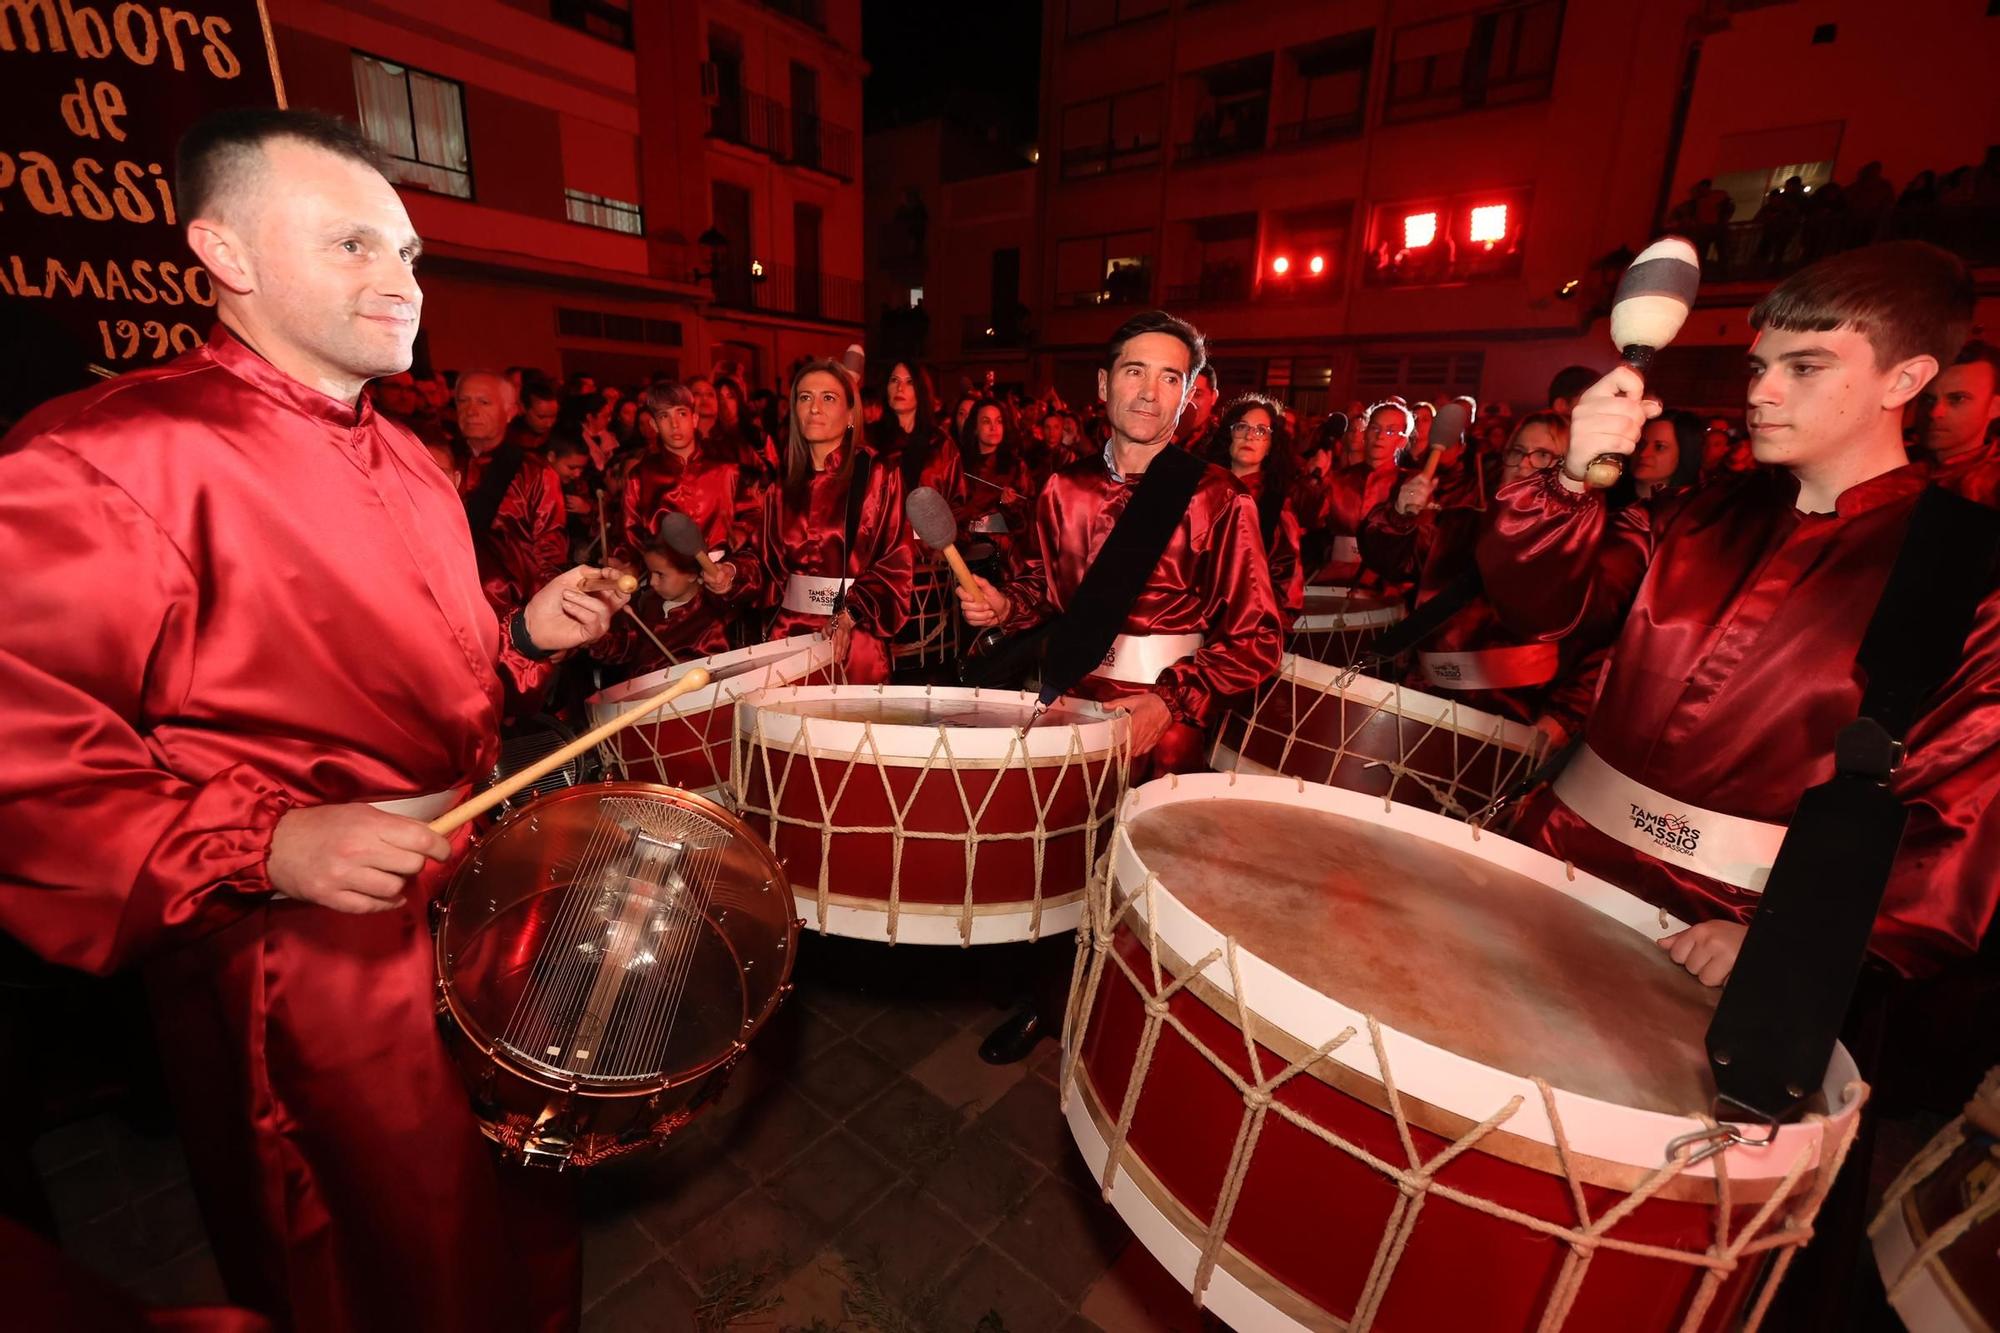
[[477, 805], [610, 580], [647, 630], [678, 531], [1651, 304], [603, 529], [931, 517]]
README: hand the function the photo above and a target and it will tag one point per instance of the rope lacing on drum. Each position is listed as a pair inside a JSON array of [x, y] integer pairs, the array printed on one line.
[[1415, 1178], [1470, 744], [1982, 1112], [1095, 773]]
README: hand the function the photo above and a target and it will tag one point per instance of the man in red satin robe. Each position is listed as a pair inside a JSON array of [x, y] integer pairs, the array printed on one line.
[[527, 543], [255, 614], [1353, 492], [1748, 600], [1207, 626], [1957, 415], [677, 477]]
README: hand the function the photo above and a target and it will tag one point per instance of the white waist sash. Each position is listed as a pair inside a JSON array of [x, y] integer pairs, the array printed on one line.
[[1346, 550], [1491, 668], [1729, 848], [1138, 659], [425, 808], [991, 523], [811, 595]]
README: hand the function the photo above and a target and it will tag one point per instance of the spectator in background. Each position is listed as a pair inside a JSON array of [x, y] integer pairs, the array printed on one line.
[[1667, 461], [1703, 217], [1870, 197], [707, 407], [1717, 440], [1779, 221], [1957, 416], [513, 501], [1251, 441], [1568, 384], [587, 416], [908, 437], [540, 403]]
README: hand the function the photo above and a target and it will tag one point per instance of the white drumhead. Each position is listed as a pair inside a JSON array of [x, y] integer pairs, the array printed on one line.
[[731, 675], [1328, 606], [917, 724], [1428, 1073], [1430, 709]]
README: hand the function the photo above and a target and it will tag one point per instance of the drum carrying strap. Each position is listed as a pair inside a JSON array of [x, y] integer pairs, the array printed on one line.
[[1427, 619], [1782, 1008], [1121, 570], [857, 495], [482, 506]]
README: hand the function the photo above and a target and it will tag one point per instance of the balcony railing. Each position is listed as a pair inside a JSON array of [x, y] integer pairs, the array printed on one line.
[[1247, 138], [812, 13], [1129, 285], [600, 18], [1771, 247], [1211, 289], [780, 289], [1315, 129], [1102, 159], [798, 137]]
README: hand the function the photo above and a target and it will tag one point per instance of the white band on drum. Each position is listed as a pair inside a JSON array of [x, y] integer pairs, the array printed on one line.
[[1728, 848], [1345, 551], [1491, 668], [1138, 659], [811, 595]]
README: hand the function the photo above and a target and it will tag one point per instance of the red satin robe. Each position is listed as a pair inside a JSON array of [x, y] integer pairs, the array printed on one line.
[[1211, 580], [808, 541], [528, 543], [1351, 495], [697, 627], [247, 597], [983, 497], [1288, 577], [934, 462], [1433, 548], [1735, 670], [1976, 478], [704, 488]]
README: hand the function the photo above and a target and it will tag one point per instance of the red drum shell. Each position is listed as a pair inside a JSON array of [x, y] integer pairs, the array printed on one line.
[[1016, 820], [1310, 1219]]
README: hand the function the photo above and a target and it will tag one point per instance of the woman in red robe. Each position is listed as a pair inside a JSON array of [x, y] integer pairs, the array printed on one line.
[[799, 559], [1353, 492], [1252, 442], [1474, 657], [999, 490], [909, 438]]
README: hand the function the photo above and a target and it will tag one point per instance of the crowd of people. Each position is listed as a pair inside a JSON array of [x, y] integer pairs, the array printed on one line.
[[285, 598]]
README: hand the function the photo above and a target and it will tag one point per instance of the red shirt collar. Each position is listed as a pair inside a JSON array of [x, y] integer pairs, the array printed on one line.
[[235, 356]]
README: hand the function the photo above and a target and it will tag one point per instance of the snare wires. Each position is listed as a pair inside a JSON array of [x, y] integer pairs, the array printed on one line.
[[610, 972]]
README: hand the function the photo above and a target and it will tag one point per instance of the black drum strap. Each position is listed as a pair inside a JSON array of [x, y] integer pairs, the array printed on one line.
[[1783, 1006], [482, 506], [857, 495], [1120, 570], [1429, 618]]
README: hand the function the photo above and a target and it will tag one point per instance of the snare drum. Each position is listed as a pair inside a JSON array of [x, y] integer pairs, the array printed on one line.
[[1345, 1066], [1324, 725], [1338, 624], [603, 956], [1937, 1238], [686, 743], [931, 815]]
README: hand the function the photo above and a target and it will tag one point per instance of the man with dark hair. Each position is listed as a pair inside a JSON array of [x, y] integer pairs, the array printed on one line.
[[1569, 383], [1205, 625], [677, 476], [1957, 414], [538, 403], [221, 771]]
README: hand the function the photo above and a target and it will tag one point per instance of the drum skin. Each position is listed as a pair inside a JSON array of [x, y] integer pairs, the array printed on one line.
[[1308, 1222], [510, 883], [1958, 1290], [995, 824], [1380, 739], [687, 743]]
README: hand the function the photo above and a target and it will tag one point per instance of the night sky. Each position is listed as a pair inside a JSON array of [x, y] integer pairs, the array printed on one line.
[[978, 65]]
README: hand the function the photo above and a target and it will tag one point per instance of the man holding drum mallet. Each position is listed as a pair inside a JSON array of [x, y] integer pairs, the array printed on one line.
[[1797, 744]]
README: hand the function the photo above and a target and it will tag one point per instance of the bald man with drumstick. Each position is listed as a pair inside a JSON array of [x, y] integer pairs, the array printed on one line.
[[254, 657]]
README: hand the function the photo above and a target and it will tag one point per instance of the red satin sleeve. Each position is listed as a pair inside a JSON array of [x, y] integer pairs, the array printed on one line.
[[1243, 641], [102, 629], [1551, 558], [1397, 546], [789, 541]]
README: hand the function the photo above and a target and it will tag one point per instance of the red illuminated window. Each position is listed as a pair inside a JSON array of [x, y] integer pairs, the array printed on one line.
[[1489, 224], [1317, 265], [1419, 230], [1281, 265]]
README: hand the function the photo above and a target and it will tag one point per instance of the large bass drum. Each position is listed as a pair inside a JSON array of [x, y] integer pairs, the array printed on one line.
[[1347, 1066], [604, 955]]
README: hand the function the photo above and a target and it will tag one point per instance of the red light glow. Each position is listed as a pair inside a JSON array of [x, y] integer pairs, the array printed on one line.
[[1489, 224], [1281, 265], [1419, 230], [1317, 264]]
